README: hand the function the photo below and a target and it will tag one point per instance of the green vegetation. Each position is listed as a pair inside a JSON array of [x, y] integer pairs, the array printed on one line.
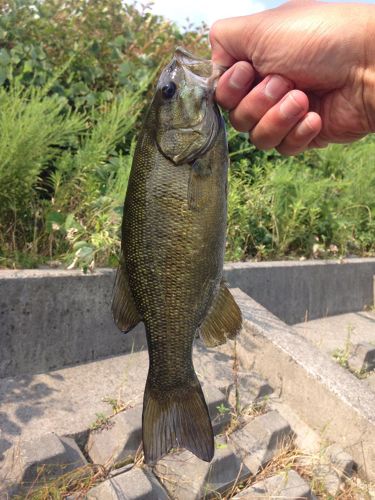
[[75, 79], [319, 204]]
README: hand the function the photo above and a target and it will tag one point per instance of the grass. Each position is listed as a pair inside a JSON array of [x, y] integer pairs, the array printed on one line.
[[288, 458], [101, 422], [342, 355], [79, 481]]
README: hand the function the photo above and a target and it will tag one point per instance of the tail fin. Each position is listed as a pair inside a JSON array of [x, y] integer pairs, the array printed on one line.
[[179, 420]]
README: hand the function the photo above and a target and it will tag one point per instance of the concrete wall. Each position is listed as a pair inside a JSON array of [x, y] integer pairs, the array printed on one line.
[[50, 319], [295, 291]]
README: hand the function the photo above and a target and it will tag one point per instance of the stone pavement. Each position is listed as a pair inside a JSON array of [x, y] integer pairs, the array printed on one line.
[[245, 443]]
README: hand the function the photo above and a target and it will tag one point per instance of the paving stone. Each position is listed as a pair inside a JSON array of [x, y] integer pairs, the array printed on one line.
[[137, 484], [341, 460], [285, 485], [186, 477], [362, 357], [338, 466], [325, 475], [259, 440], [118, 442], [213, 365], [218, 407], [250, 387], [370, 381], [48, 456]]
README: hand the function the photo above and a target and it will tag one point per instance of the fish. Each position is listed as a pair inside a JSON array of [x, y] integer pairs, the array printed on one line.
[[170, 274]]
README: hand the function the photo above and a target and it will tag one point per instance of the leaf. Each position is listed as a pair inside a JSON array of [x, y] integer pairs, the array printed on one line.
[[79, 244], [3, 75], [28, 66], [4, 57], [71, 223], [85, 252], [54, 221]]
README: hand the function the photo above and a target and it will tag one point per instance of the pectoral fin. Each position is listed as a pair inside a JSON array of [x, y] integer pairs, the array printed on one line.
[[124, 311], [198, 187], [223, 320]]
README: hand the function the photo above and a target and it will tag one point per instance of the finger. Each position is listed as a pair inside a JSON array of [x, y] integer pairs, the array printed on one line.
[[258, 101], [234, 84], [300, 137], [318, 143], [279, 120]]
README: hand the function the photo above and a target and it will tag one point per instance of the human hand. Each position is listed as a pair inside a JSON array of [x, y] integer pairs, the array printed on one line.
[[301, 75]]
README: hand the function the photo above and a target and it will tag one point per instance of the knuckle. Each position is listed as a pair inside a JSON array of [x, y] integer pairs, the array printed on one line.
[[289, 151], [215, 30], [242, 118], [261, 142]]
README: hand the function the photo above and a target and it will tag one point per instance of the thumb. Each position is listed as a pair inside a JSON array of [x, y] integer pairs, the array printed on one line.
[[231, 39]]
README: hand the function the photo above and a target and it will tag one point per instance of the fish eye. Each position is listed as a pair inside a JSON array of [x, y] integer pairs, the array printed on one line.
[[169, 90]]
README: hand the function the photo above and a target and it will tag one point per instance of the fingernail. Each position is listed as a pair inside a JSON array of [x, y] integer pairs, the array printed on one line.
[[290, 107], [276, 87], [306, 127], [240, 78]]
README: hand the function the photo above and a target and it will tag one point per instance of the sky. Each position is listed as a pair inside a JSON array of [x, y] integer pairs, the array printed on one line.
[[210, 10]]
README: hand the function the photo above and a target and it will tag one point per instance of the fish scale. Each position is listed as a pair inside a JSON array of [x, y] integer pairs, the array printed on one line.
[[173, 239]]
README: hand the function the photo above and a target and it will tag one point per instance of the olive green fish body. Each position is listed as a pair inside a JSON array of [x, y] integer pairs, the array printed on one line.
[[173, 239]]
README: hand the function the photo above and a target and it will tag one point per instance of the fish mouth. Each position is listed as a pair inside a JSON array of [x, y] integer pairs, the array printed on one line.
[[206, 70]]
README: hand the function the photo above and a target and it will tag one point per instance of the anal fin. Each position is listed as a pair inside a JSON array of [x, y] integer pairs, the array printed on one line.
[[223, 320], [124, 310]]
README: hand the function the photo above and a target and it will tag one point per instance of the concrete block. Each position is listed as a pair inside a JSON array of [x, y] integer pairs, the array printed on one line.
[[218, 407], [326, 476], [260, 439], [336, 467], [341, 460], [43, 458], [186, 477], [325, 395], [250, 388], [120, 441], [286, 485], [362, 357], [137, 484]]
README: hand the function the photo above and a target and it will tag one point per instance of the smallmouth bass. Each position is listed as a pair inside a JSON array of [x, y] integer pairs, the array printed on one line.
[[173, 241]]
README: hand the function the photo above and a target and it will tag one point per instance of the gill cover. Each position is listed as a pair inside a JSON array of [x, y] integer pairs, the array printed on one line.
[[187, 118]]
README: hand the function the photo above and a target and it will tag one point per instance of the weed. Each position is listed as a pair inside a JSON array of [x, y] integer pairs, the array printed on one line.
[[342, 355], [117, 405], [102, 422], [78, 481], [222, 409]]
